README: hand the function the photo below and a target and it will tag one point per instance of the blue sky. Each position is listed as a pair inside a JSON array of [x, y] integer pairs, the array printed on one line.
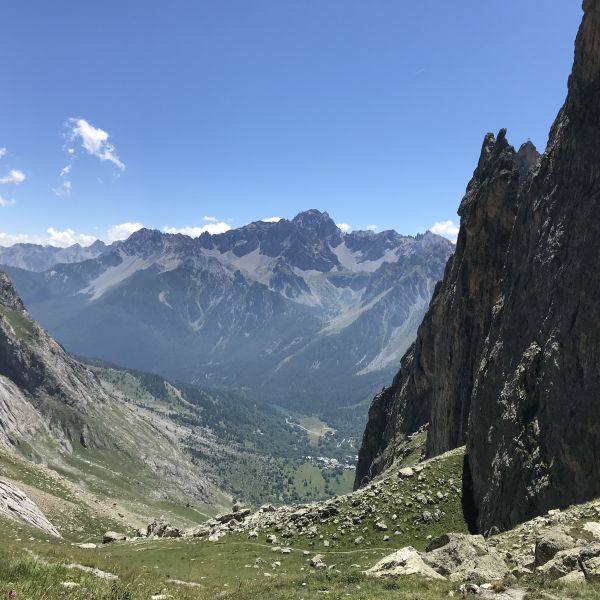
[[166, 113]]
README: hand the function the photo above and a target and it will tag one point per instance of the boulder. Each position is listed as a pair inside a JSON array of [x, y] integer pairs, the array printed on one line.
[[15, 504], [112, 536], [563, 563], [406, 561], [162, 529], [238, 515], [572, 577], [593, 529], [317, 562], [465, 557], [550, 542], [591, 569]]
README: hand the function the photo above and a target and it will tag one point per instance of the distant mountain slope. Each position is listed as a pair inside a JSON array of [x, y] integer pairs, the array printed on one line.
[[54, 409], [34, 257], [294, 312], [142, 439]]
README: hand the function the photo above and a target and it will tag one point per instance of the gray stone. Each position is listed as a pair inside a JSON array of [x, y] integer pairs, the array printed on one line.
[[550, 542], [406, 561], [318, 562], [112, 536]]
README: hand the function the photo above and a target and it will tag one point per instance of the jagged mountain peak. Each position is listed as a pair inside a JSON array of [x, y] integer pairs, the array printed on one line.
[[586, 68], [527, 159], [317, 221]]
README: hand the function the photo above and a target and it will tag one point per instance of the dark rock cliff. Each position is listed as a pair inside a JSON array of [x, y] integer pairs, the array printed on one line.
[[507, 359], [435, 381], [534, 427]]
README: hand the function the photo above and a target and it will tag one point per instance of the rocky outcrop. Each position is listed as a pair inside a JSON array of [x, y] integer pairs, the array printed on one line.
[[17, 505], [507, 356], [534, 429], [404, 562], [436, 377]]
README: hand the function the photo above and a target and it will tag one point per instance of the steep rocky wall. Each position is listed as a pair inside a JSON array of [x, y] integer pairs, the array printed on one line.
[[508, 355], [436, 377], [534, 428]]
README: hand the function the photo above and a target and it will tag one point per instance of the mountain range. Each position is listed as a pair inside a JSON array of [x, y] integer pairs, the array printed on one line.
[[294, 313], [35, 257], [121, 431]]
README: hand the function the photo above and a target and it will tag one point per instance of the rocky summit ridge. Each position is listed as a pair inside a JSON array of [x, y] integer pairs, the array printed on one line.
[[506, 359]]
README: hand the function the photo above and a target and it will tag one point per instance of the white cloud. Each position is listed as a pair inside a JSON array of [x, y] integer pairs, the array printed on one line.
[[3, 152], [94, 141], [121, 231], [272, 219], [212, 228], [53, 237], [64, 189], [65, 171], [68, 237], [446, 228], [8, 239], [210, 219], [344, 227], [14, 176], [5, 202], [372, 228]]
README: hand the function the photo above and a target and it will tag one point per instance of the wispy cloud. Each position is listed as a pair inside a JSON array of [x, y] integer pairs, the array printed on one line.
[[64, 189], [210, 219], [272, 219], [3, 152], [212, 228], [121, 231], [446, 228], [5, 202], [68, 237], [94, 141], [14, 176], [372, 227]]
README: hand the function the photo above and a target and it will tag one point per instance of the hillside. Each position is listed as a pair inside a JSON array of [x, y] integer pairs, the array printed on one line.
[[251, 310], [56, 411], [347, 547], [101, 424], [506, 359]]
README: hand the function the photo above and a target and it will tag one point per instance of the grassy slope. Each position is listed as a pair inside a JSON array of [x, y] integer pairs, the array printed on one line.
[[151, 567]]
